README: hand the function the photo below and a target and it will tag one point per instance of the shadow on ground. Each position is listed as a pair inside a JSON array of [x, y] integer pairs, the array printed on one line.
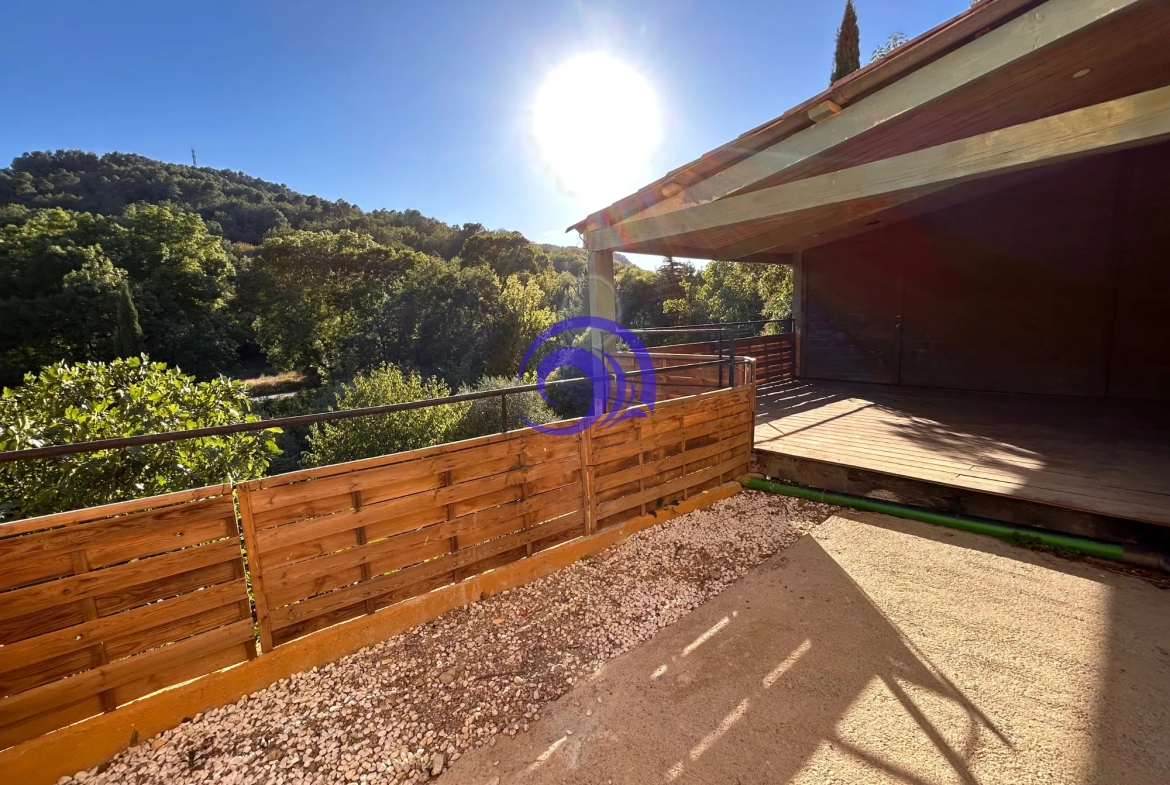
[[877, 650]]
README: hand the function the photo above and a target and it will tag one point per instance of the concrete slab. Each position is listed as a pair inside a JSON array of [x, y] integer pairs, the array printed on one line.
[[876, 650]]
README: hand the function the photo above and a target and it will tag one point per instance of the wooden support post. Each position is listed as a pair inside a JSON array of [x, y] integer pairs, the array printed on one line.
[[641, 462], [361, 540], [524, 498], [89, 607], [602, 297], [798, 312], [588, 499], [453, 542], [255, 570]]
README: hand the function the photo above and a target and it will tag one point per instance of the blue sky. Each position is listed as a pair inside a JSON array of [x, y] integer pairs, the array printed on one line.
[[424, 105]]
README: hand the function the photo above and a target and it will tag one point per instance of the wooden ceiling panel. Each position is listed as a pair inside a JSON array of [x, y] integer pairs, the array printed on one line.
[[1125, 55]]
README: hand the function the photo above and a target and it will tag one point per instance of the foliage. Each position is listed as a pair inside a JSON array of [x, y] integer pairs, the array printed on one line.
[[62, 276], [438, 319], [486, 416], [367, 437], [64, 404], [314, 294], [520, 316], [506, 253], [734, 292], [127, 330], [847, 55], [244, 208], [893, 42]]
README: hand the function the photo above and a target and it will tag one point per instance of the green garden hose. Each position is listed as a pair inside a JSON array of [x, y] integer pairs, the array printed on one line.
[[1020, 535]]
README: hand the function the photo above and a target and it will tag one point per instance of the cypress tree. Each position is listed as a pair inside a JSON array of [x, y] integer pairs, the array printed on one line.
[[127, 332], [847, 58]]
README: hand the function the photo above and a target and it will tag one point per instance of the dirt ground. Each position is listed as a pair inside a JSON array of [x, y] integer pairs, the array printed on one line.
[[875, 650]]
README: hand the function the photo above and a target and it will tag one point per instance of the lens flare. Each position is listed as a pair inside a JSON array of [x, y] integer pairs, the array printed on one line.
[[596, 124]]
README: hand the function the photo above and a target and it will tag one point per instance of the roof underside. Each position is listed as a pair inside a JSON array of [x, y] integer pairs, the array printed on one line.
[[1125, 54]]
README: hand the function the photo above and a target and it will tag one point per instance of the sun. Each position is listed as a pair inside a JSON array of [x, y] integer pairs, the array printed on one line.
[[596, 124]]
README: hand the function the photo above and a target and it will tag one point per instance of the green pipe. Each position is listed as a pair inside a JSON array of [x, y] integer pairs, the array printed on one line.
[[1021, 535]]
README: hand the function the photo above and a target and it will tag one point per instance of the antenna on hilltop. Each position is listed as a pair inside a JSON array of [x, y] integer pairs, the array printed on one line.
[[193, 157]]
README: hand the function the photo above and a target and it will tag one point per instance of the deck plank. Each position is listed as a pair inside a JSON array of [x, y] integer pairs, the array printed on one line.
[[1108, 457]]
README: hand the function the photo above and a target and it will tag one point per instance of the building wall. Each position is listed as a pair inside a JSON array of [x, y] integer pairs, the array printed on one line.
[[1060, 285]]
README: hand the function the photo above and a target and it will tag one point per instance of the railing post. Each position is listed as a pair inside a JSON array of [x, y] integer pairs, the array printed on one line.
[[721, 357], [731, 367], [504, 412]]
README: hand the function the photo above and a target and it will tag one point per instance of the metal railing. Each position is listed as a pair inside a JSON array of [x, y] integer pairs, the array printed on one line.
[[725, 331], [76, 448]]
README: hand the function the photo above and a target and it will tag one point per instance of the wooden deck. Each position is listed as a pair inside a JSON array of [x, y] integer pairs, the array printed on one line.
[[1105, 457]]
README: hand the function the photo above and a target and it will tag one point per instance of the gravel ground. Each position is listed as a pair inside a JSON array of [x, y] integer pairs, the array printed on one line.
[[408, 708]]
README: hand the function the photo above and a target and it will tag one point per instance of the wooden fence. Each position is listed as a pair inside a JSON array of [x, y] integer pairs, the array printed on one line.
[[775, 355], [102, 606], [105, 605]]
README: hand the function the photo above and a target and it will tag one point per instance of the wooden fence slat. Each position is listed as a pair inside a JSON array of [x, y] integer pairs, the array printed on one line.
[[14, 708], [91, 584]]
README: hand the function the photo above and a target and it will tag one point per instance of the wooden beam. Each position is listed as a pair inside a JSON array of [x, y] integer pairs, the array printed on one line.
[[801, 225], [1126, 122], [798, 312], [823, 111], [1030, 32], [602, 295]]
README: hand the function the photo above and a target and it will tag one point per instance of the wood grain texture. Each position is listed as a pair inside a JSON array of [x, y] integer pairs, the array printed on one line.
[[1028, 36], [1105, 457], [99, 605], [103, 607], [43, 760], [1124, 122], [469, 506]]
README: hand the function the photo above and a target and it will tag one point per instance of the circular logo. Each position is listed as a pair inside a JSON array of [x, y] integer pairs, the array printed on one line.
[[613, 393]]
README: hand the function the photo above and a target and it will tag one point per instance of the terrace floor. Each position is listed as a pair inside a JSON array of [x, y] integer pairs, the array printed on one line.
[[876, 650], [1098, 456]]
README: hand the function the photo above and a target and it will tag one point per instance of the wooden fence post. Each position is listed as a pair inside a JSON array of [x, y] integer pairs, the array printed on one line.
[[255, 572], [588, 499]]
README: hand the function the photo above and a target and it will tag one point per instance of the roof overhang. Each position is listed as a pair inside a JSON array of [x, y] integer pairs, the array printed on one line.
[[959, 81]]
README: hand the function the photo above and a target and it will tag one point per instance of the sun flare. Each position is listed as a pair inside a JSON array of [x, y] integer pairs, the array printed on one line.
[[596, 124]]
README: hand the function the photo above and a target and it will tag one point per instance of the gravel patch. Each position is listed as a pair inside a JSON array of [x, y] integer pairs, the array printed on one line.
[[406, 709]]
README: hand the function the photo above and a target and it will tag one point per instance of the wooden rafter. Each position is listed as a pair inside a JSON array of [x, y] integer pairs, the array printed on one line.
[[1126, 122], [1048, 24]]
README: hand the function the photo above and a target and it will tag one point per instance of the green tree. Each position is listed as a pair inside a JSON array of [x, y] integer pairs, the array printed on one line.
[[847, 55], [520, 316], [437, 318], [367, 437], [64, 404], [127, 333], [673, 280], [61, 273], [506, 253], [639, 297], [314, 295], [890, 44]]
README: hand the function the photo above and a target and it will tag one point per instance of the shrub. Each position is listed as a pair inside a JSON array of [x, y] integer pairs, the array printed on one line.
[[485, 416], [64, 404], [367, 437]]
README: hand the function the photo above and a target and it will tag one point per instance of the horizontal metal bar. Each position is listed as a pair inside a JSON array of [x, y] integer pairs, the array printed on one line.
[[710, 327], [77, 448]]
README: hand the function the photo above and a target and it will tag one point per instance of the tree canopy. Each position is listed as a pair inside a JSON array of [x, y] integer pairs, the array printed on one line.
[[64, 404], [847, 54]]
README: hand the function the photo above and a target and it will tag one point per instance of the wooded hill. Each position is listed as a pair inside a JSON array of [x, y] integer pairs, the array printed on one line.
[[106, 256]]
